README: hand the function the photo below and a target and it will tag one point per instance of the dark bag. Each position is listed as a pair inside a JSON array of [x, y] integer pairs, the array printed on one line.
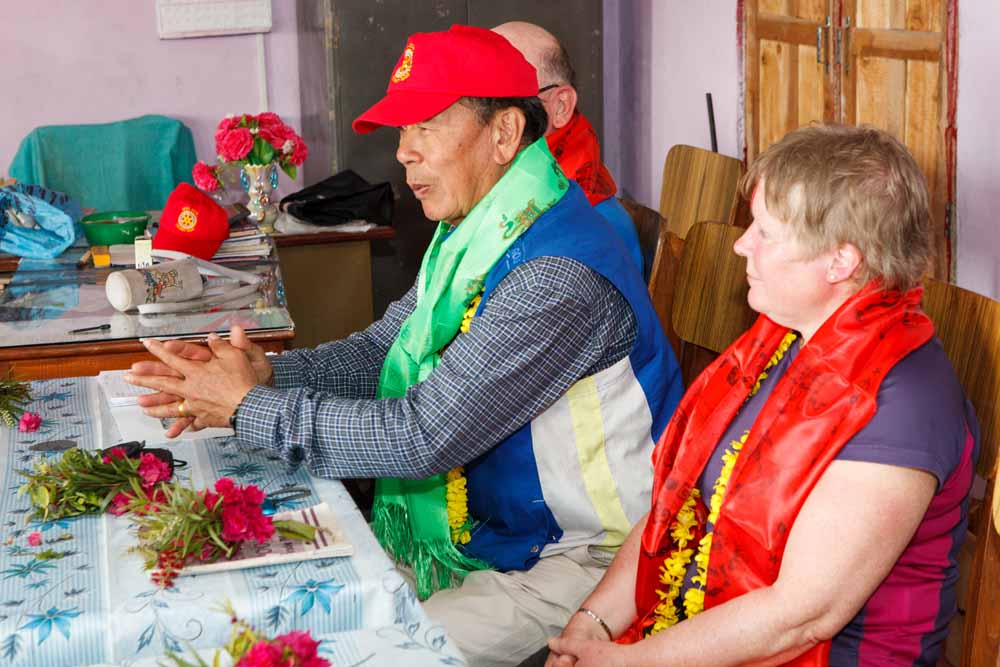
[[341, 198], [134, 449]]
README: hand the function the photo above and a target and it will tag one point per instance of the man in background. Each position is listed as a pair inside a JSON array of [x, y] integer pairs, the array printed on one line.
[[570, 135]]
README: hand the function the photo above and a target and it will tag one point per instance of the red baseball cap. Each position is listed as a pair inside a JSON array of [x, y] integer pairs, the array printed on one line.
[[191, 222], [438, 68]]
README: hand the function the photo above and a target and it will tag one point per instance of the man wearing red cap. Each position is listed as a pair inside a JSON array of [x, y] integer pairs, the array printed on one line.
[[508, 402], [569, 134]]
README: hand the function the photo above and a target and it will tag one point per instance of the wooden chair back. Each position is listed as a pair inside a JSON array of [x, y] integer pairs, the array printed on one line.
[[968, 325], [661, 252], [698, 185], [710, 296]]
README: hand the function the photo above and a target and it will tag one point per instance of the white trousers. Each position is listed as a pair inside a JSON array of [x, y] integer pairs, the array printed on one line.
[[502, 618]]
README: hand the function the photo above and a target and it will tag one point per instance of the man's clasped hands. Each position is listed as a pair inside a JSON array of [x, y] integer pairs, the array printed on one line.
[[199, 385]]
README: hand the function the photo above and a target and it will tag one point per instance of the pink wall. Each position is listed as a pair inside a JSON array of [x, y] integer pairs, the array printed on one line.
[[69, 62], [978, 147], [688, 49]]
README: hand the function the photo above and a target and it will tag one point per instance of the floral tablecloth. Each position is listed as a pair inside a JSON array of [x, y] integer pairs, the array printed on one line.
[[93, 604]]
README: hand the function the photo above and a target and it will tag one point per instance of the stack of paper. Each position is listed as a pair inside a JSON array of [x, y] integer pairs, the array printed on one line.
[[255, 245], [132, 422], [117, 390]]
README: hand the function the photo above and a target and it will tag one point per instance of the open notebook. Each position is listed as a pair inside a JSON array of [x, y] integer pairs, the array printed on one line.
[[329, 543]]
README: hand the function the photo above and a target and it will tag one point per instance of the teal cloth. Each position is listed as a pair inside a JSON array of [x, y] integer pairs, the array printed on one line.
[[131, 164]]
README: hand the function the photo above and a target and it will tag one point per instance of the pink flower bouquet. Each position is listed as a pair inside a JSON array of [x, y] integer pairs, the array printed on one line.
[[84, 482], [186, 526], [258, 140], [249, 648]]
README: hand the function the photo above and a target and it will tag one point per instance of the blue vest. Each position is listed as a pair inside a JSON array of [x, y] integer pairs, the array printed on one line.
[[579, 473], [612, 210]]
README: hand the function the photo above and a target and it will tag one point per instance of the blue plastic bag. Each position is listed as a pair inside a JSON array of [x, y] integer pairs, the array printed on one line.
[[35, 222]]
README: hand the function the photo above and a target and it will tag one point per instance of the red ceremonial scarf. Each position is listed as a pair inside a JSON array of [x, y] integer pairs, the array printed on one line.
[[575, 148], [826, 395]]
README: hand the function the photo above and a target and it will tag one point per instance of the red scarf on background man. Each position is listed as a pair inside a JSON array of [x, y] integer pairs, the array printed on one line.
[[826, 396], [575, 148]]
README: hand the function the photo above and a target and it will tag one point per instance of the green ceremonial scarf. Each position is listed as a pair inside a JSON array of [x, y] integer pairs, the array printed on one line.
[[410, 517]]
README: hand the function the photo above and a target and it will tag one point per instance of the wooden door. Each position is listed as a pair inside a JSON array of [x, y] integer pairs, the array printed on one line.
[[895, 77], [790, 80], [886, 63]]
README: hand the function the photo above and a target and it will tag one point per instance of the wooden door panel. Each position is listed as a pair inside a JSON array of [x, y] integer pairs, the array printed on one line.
[[894, 79], [882, 63], [789, 62], [881, 94]]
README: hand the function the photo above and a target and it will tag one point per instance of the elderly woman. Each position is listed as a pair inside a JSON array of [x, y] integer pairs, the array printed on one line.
[[810, 493]]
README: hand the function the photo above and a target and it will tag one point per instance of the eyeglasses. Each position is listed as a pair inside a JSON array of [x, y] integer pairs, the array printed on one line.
[[548, 87]]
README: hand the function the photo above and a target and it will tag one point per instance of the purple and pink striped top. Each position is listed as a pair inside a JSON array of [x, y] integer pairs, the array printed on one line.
[[924, 422]]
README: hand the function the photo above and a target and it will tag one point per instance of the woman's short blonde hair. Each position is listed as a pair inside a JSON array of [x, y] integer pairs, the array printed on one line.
[[836, 184]]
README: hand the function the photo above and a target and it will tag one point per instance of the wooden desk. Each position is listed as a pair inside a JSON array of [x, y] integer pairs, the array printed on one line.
[[43, 362], [328, 282], [45, 302]]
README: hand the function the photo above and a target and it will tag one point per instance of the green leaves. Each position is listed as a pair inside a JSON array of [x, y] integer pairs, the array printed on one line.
[[261, 153], [14, 395], [79, 482], [295, 530]]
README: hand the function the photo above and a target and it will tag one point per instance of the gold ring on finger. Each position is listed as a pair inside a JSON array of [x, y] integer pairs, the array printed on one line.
[[181, 407]]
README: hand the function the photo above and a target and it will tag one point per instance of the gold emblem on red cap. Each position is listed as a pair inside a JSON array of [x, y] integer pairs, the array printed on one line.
[[403, 71], [187, 219]]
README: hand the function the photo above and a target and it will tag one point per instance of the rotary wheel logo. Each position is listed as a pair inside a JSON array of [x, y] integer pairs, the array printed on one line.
[[187, 219], [403, 71]]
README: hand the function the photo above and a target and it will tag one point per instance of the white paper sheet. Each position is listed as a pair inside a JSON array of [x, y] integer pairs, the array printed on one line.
[[329, 543], [133, 424], [117, 390]]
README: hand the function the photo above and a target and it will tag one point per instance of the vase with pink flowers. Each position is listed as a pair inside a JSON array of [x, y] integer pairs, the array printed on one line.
[[259, 146]]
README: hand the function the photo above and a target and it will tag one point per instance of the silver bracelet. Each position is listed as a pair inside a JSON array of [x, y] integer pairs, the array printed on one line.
[[598, 620]]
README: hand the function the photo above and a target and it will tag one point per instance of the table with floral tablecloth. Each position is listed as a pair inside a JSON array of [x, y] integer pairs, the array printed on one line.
[[93, 604]]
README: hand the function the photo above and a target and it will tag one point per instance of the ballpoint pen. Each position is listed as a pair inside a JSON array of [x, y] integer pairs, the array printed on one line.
[[99, 327]]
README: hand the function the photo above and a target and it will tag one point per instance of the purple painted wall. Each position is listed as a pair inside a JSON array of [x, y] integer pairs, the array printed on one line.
[[674, 51], [978, 147], [70, 62]]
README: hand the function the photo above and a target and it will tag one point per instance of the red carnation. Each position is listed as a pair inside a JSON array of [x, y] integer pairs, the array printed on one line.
[[228, 123], [152, 470], [228, 490], [205, 177], [29, 422], [299, 152], [303, 647], [269, 120], [277, 135], [119, 504], [262, 654], [115, 453], [235, 144]]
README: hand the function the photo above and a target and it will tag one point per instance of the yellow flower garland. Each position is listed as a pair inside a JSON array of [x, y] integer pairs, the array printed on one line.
[[675, 565], [456, 492], [458, 506]]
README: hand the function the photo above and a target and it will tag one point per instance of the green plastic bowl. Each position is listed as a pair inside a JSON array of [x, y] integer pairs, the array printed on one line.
[[111, 227]]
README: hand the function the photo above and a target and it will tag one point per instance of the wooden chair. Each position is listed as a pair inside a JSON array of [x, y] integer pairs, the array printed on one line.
[[698, 185], [661, 252], [709, 309], [968, 325]]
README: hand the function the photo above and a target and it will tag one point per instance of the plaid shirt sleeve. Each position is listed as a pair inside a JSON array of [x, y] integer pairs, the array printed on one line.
[[347, 368], [549, 323]]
